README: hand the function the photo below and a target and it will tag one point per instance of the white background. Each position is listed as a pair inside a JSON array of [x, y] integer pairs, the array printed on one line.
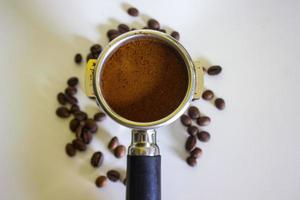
[[254, 152]]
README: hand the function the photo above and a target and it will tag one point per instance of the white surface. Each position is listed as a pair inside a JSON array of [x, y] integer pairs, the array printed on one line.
[[254, 152]]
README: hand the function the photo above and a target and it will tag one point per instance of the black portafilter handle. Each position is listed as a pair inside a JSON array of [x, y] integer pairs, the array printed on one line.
[[143, 167]]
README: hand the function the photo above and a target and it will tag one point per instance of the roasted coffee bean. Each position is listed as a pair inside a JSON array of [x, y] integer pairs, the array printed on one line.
[[125, 181], [91, 125], [86, 137], [96, 49], [97, 159], [71, 99], [186, 120], [153, 24], [74, 108], [80, 115], [208, 95], [100, 116], [191, 161], [214, 70], [196, 153], [71, 91], [203, 121], [162, 30], [175, 35], [193, 112], [74, 124], [203, 136], [113, 175], [62, 112], [120, 151], [61, 98], [78, 58], [70, 150], [113, 143], [90, 56], [113, 36], [190, 143], [101, 181], [133, 12], [123, 28], [192, 130], [220, 103], [79, 145], [73, 81], [78, 132], [112, 32]]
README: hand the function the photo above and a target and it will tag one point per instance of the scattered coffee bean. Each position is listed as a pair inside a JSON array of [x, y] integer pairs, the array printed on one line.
[[70, 150], [90, 125], [63, 112], [78, 132], [125, 181], [70, 91], [79, 145], [113, 143], [73, 81], [192, 130], [133, 12], [74, 108], [190, 143], [61, 98], [196, 153], [214, 70], [186, 120], [203, 136], [100, 116], [80, 115], [74, 124], [208, 95], [71, 99], [123, 28], [97, 159], [78, 58], [191, 161], [175, 35], [203, 121], [112, 32], [101, 181], [96, 49], [220, 103], [86, 137], [193, 112], [113, 175], [90, 56], [120, 151], [153, 24], [113, 36]]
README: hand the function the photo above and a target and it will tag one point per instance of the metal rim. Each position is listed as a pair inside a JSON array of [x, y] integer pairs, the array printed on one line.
[[112, 46]]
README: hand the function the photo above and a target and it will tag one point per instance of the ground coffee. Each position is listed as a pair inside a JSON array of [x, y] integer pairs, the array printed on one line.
[[144, 80]]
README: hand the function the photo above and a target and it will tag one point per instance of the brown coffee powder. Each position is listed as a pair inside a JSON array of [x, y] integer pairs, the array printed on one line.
[[144, 80]]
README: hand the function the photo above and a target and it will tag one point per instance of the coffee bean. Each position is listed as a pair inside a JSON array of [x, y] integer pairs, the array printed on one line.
[[220, 103], [74, 108], [123, 28], [73, 81], [193, 112], [97, 159], [175, 35], [196, 153], [90, 56], [71, 99], [112, 32], [70, 91], [162, 30], [203, 121], [153, 24], [191, 161], [100, 116], [214, 70], [203, 136], [90, 125], [96, 49], [208, 95], [70, 150], [120, 151], [113, 143], [79, 145], [113, 36], [74, 124], [125, 181], [61, 98], [80, 115], [190, 143], [192, 130], [101, 181], [62, 112], [113, 175], [133, 12], [78, 58], [186, 120], [86, 137], [78, 132]]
